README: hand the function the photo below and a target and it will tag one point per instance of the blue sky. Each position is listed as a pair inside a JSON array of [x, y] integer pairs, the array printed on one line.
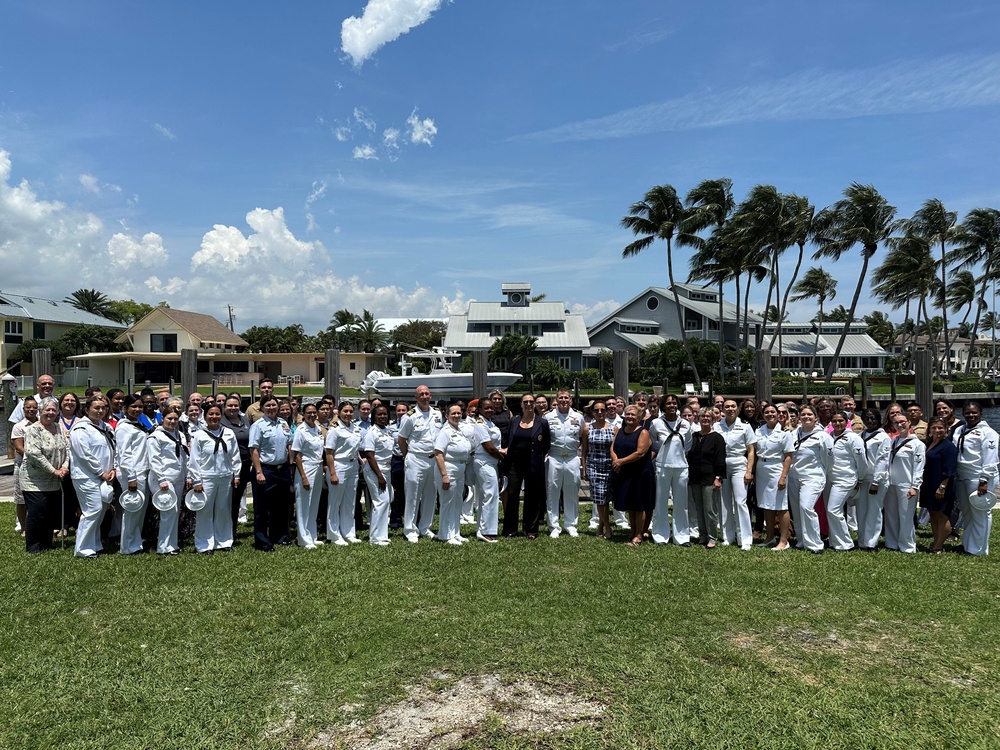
[[408, 156]]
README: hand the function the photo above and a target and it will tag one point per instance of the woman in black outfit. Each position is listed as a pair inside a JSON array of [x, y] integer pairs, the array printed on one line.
[[706, 468], [527, 443], [937, 493], [240, 426]]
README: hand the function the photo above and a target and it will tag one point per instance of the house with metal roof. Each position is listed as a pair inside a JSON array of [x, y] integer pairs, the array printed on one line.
[[560, 335], [27, 318], [799, 346]]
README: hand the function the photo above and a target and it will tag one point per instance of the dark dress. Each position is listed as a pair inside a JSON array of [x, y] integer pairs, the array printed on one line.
[[941, 462], [632, 486], [526, 449]]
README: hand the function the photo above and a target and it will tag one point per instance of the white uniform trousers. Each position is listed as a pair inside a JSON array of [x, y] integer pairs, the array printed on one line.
[[836, 496], [380, 501], [213, 524], [671, 481], [92, 509], [869, 509], [307, 504], [802, 495], [131, 541], [340, 503], [418, 511], [900, 533], [562, 477], [735, 513], [489, 492], [978, 523], [166, 540], [451, 502]]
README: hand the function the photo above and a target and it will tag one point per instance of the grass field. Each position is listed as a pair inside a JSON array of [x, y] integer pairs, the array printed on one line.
[[682, 647]]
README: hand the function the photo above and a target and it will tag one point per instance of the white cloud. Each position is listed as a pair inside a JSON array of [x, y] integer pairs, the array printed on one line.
[[165, 131], [390, 139], [125, 251], [365, 152], [90, 184], [318, 191], [382, 21], [363, 118], [421, 131], [342, 134], [594, 311]]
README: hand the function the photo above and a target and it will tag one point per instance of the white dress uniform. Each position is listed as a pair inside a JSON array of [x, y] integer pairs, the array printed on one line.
[[772, 447], [672, 441], [456, 449], [486, 475], [214, 464], [739, 436], [906, 472], [977, 461], [308, 442], [92, 452], [471, 501], [419, 429], [168, 458], [877, 445], [379, 441], [562, 470], [850, 464], [131, 440], [811, 466], [343, 442]]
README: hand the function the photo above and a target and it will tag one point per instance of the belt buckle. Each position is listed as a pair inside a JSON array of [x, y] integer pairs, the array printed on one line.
[[565, 455]]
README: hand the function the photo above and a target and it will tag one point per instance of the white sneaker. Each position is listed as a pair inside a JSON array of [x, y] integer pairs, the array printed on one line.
[[455, 541], [428, 534], [379, 544], [554, 533], [17, 527], [411, 537], [572, 532], [341, 542], [461, 539], [353, 540], [319, 542], [594, 523]]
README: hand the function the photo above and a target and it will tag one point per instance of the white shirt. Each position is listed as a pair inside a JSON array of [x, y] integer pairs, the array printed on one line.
[[91, 450], [850, 463], [485, 432], [877, 445], [133, 451], [166, 462], [454, 445], [419, 428], [344, 441], [977, 453], [214, 458], [564, 430], [813, 456], [906, 462], [739, 437], [380, 442], [308, 442], [773, 445], [673, 441]]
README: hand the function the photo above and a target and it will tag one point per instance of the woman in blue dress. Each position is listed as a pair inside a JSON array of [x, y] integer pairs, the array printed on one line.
[[595, 444], [937, 493], [632, 472]]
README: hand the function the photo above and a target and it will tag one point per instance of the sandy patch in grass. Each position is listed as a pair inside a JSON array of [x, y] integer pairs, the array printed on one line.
[[442, 713]]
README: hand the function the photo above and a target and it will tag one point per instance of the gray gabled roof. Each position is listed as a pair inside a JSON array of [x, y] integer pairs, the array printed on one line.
[[573, 338], [710, 310], [44, 310]]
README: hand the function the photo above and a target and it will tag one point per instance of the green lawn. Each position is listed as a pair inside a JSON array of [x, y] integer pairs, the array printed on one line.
[[686, 647]]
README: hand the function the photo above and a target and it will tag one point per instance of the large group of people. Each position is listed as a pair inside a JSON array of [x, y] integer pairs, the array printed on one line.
[[156, 472]]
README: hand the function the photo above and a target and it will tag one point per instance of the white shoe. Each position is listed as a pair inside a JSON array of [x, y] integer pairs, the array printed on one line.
[[411, 537], [554, 533], [310, 546], [468, 519], [428, 534], [572, 532], [353, 540], [341, 542], [461, 539], [379, 544], [594, 523], [483, 538], [17, 527], [319, 542], [455, 541]]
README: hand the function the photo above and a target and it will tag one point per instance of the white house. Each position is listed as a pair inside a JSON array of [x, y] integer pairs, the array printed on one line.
[[798, 345]]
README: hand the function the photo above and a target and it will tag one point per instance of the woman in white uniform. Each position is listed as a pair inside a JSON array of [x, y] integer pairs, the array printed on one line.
[[343, 440], [486, 457], [214, 469], [850, 464], [740, 439], [906, 475], [377, 447], [307, 455], [168, 457], [133, 470], [452, 451], [92, 464], [774, 451], [977, 474], [871, 494], [808, 477]]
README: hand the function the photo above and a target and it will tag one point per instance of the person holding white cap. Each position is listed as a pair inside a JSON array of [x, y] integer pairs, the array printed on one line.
[[168, 459], [672, 439], [92, 468], [132, 443], [214, 468], [977, 475]]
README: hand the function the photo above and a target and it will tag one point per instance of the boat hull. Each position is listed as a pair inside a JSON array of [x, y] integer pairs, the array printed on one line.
[[442, 385]]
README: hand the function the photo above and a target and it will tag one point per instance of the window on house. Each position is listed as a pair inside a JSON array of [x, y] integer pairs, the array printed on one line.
[[38, 330], [564, 363], [652, 303], [13, 332], [163, 342], [353, 366], [713, 325], [692, 324]]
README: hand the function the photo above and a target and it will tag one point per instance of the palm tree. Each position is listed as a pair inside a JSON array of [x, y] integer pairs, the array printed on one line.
[[369, 334], [92, 301], [979, 243], [961, 293], [862, 217], [660, 215], [514, 347], [712, 203], [939, 227], [706, 265], [819, 285], [905, 276], [803, 212]]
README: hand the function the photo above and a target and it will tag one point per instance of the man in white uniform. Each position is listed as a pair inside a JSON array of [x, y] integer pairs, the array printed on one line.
[[416, 442], [740, 441], [44, 385], [562, 471], [672, 437]]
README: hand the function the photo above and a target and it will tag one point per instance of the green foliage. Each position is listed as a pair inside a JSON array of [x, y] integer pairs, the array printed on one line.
[[272, 339], [92, 301], [128, 311], [80, 339], [547, 373], [669, 360], [515, 348], [880, 328], [424, 334]]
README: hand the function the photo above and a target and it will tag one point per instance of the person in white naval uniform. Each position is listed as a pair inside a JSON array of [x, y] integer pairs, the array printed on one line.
[[472, 500], [486, 456], [452, 454], [562, 470], [343, 440], [906, 474], [850, 464], [808, 477], [214, 468], [133, 470], [308, 445], [671, 436], [92, 463], [377, 446], [977, 473], [871, 495], [168, 457], [774, 451], [416, 441], [740, 440]]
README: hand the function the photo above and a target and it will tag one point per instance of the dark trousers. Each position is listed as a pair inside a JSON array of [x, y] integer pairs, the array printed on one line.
[[270, 508], [397, 477], [519, 474], [42, 516]]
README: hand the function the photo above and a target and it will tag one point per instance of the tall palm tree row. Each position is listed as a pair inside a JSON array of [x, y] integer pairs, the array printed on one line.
[[819, 285]]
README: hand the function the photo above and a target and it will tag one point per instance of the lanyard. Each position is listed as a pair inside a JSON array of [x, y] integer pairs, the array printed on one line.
[[896, 448], [177, 444], [802, 439], [107, 434]]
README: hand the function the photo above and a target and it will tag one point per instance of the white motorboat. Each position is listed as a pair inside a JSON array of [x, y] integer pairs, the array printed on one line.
[[443, 382]]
